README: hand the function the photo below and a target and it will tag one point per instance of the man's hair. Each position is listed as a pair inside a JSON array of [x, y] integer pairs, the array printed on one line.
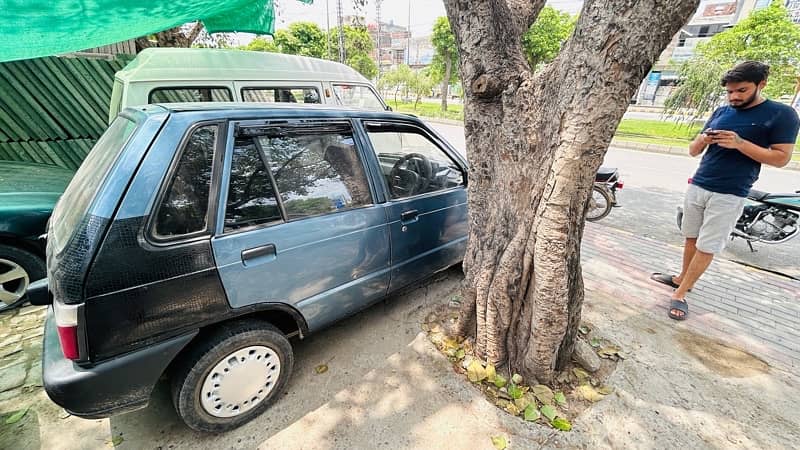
[[748, 71]]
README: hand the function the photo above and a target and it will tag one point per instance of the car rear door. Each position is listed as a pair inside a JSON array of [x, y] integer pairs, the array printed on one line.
[[298, 223]]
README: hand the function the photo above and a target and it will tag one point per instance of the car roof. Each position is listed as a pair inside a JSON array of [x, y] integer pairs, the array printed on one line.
[[236, 110], [206, 64]]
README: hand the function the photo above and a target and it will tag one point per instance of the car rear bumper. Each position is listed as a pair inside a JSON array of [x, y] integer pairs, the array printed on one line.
[[108, 388]]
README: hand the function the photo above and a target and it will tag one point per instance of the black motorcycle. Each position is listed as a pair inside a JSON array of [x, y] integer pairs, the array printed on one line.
[[604, 193], [768, 218]]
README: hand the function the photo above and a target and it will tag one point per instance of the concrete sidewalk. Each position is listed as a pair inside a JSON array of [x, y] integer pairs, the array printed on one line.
[[757, 310]]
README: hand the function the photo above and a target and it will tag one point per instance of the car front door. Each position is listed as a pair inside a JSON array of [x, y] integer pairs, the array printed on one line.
[[299, 224], [427, 199]]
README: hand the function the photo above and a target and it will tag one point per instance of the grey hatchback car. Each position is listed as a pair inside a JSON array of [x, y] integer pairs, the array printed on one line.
[[197, 239]]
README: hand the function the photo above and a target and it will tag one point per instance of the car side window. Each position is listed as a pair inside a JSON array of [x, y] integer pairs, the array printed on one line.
[[412, 163], [251, 195], [281, 95], [184, 207], [190, 95], [316, 168]]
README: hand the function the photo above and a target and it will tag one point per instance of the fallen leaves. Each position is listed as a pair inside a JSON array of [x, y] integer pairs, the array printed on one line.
[[499, 442], [17, 416], [320, 369]]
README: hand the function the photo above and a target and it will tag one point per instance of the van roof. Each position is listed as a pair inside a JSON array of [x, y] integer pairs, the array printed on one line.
[[293, 109], [199, 64]]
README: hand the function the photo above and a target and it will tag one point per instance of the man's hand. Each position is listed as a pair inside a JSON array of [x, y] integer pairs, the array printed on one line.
[[727, 139], [706, 139]]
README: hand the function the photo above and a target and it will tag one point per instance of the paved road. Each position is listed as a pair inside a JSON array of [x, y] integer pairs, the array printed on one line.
[[654, 186]]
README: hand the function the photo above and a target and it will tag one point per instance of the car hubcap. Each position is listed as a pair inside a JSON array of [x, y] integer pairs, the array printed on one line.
[[13, 282], [240, 381]]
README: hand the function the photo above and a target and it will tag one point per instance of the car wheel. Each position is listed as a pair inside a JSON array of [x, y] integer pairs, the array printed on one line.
[[231, 376], [17, 269]]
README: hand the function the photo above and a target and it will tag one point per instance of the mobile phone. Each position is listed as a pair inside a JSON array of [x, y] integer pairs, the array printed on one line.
[[711, 133]]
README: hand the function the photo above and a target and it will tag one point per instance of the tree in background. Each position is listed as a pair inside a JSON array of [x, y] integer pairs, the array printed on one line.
[[261, 44], [421, 84], [544, 38], [357, 47], [768, 35], [535, 141], [444, 67], [396, 79], [303, 39]]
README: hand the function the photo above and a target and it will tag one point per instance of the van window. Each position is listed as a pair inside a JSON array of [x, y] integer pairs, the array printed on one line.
[[281, 95], [75, 201], [190, 95], [184, 207], [317, 169], [357, 96]]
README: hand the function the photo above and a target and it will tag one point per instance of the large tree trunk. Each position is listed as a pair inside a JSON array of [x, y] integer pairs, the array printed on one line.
[[448, 73], [534, 143]]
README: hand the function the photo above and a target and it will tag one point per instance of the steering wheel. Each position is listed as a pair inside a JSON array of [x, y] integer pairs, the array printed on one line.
[[407, 182]]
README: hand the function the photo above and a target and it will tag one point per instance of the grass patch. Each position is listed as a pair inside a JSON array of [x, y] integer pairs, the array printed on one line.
[[433, 110]]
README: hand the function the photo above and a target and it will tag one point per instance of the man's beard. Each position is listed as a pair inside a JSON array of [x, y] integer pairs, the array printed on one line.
[[747, 102]]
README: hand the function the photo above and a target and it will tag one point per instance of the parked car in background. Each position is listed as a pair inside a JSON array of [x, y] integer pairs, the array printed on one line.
[[28, 192], [208, 235], [174, 75]]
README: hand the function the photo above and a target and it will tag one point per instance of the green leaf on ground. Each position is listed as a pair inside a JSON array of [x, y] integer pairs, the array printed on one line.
[[589, 393], [560, 398], [584, 329], [543, 394], [17, 416], [499, 381], [515, 391], [549, 412], [523, 402], [531, 413], [499, 442], [595, 342], [320, 369], [117, 440], [516, 378], [460, 354], [561, 423]]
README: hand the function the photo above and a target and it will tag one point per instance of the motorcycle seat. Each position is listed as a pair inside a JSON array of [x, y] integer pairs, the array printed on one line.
[[605, 173], [762, 196], [757, 195]]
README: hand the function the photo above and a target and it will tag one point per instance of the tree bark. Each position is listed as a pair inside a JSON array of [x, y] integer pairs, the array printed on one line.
[[173, 37], [448, 73], [534, 143]]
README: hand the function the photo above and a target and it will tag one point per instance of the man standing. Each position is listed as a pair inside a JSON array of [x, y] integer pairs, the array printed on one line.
[[737, 139]]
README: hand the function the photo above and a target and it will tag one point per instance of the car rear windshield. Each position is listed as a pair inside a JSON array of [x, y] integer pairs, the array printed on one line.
[[75, 202]]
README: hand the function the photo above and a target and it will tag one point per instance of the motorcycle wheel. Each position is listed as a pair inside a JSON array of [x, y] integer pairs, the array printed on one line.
[[600, 204]]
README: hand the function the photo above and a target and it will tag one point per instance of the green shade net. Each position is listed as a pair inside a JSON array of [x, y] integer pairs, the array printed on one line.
[[33, 28]]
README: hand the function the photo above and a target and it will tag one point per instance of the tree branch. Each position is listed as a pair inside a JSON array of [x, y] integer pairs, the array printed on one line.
[[525, 12], [198, 27]]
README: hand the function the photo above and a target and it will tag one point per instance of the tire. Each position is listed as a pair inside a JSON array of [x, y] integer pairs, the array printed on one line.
[[597, 210], [18, 268], [240, 350]]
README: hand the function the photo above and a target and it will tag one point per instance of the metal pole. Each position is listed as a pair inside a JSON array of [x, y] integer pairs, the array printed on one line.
[[342, 55], [328, 27], [378, 32], [408, 40]]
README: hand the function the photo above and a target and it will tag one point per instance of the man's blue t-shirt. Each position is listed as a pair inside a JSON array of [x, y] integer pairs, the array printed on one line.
[[729, 171]]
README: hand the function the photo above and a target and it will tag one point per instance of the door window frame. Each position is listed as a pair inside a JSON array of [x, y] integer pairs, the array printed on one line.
[[435, 140], [213, 195], [235, 125]]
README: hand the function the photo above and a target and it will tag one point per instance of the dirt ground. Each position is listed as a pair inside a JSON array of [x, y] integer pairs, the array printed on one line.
[[388, 387]]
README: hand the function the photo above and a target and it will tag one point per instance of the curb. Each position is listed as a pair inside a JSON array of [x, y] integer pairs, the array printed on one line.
[[619, 143]]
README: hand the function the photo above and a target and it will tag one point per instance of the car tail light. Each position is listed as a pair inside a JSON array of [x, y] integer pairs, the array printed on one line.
[[67, 323], [619, 184]]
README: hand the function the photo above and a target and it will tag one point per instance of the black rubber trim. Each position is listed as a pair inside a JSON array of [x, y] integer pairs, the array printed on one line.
[[38, 293]]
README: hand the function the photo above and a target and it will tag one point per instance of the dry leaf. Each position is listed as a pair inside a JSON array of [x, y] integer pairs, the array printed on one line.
[[320, 369], [589, 393], [476, 372], [543, 394]]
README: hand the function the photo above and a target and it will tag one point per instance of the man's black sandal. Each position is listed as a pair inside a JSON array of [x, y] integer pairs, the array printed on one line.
[[678, 305], [664, 278]]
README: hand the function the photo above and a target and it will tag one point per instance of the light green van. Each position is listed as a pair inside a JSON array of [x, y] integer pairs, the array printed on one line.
[[173, 75]]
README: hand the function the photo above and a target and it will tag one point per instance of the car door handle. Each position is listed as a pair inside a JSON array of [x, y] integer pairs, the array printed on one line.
[[257, 255], [409, 216]]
